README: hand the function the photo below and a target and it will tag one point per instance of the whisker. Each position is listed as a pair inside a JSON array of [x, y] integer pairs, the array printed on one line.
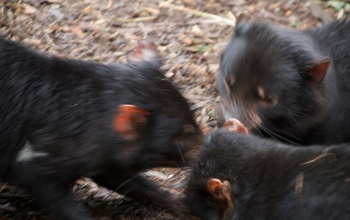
[[275, 135], [270, 133], [183, 159], [296, 122], [312, 119], [260, 133], [125, 182]]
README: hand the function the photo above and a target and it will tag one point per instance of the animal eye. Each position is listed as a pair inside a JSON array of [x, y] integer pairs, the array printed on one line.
[[271, 101], [266, 99]]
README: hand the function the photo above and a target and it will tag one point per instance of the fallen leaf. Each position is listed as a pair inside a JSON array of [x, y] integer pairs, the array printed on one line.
[[87, 9], [54, 11], [100, 21], [52, 1], [28, 9], [77, 31], [187, 41], [169, 74], [202, 48]]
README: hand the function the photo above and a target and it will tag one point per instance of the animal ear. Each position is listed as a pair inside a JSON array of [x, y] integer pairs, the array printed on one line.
[[243, 18], [243, 24], [233, 125], [130, 121], [221, 191], [146, 51], [318, 71]]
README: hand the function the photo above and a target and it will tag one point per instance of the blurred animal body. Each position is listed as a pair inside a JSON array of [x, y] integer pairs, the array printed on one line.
[[246, 177], [289, 85], [61, 119]]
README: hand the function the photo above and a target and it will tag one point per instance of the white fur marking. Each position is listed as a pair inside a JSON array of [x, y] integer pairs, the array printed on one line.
[[27, 153], [261, 92]]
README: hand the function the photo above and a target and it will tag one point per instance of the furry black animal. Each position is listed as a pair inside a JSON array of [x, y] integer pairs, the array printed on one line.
[[270, 180], [60, 120], [288, 84]]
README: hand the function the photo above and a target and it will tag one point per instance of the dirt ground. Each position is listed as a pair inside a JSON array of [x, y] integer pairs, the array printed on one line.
[[189, 34]]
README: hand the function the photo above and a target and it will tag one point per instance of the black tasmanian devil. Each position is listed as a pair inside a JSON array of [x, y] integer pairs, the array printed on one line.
[[61, 119], [289, 84], [246, 177]]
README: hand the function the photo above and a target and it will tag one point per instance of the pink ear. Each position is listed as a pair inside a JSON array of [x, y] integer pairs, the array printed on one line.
[[318, 71], [130, 121], [145, 51], [233, 125], [221, 192], [243, 18]]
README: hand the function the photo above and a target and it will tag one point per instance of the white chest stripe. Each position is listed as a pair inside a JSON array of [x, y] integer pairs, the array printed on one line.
[[27, 153]]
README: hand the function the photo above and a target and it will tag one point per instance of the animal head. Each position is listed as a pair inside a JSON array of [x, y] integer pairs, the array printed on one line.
[[271, 79]]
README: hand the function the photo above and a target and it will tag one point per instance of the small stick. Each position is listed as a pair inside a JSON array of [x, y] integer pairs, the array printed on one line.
[[135, 20], [319, 157], [231, 22]]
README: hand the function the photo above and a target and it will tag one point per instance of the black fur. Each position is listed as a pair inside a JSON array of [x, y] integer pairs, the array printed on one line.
[[297, 107], [64, 109], [270, 180]]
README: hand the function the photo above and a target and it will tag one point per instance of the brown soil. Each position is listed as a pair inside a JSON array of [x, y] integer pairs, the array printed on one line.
[[189, 38]]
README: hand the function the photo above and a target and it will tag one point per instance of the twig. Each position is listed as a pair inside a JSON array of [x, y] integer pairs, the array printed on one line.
[[219, 19], [319, 157], [147, 18], [173, 67]]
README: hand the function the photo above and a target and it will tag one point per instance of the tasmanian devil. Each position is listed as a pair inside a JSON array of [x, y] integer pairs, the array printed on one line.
[[288, 84], [61, 119], [246, 177]]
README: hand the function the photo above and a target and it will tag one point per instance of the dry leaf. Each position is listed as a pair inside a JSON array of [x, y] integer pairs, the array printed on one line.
[[187, 41], [100, 21], [32, 41], [77, 31], [87, 9], [288, 12], [54, 10], [169, 74], [28, 9], [213, 68], [53, 1]]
